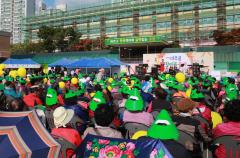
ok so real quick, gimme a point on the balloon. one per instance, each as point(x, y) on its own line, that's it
point(74, 80)
point(180, 77)
point(139, 134)
point(13, 73)
point(109, 88)
point(110, 80)
point(216, 118)
point(1, 72)
point(167, 76)
point(188, 92)
point(45, 80)
point(92, 95)
point(45, 69)
point(22, 72)
point(61, 85)
point(2, 66)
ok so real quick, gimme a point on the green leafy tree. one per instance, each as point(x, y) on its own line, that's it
point(46, 34)
point(73, 37)
point(59, 39)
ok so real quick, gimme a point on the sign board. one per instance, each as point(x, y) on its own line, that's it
point(134, 40)
point(178, 59)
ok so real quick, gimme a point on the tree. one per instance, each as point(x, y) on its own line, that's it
point(73, 37)
point(26, 48)
point(227, 38)
point(46, 34)
point(59, 39)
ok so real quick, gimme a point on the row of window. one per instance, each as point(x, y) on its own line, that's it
point(167, 24)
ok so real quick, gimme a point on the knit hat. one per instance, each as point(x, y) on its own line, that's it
point(185, 104)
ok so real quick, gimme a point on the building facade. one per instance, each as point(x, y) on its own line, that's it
point(4, 45)
point(12, 12)
point(190, 22)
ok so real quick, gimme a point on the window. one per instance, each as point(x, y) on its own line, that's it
point(237, 18)
point(185, 7)
point(163, 10)
point(230, 19)
point(207, 5)
point(145, 12)
point(111, 29)
point(166, 24)
point(145, 26)
point(126, 28)
point(94, 31)
point(207, 21)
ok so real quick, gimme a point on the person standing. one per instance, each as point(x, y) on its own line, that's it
point(100, 74)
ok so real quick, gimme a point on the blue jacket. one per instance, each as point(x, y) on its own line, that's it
point(11, 92)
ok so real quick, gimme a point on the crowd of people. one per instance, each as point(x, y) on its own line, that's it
point(167, 104)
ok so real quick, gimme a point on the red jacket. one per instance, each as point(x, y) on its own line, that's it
point(69, 134)
point(229, 128)
point(32, 99)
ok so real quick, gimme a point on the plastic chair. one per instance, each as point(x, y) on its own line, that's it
point(155, 114)
point(133, 127)
point(231, 144)
point(49, 118)
point(65, 146)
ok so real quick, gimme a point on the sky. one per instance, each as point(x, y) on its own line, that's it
point(75, 4)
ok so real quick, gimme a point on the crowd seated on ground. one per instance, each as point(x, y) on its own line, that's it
point(171, 108)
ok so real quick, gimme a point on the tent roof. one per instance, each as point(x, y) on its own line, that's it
point(20, 61)
point(95, 63)
point(62, 62)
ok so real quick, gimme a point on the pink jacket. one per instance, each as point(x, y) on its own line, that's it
point(229, 128)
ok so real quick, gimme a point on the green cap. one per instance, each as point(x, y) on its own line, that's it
point(179, 86)
point(22, 81)
point(70, 94)
point(124, 90)
point(135, 101)
point(80, 75)
point(51, 97)
point(196, 95)
point(170, 82)
point(66, 78)
point(162, 77)
point(224, 81)
point(9, 78)
point(163, 128)
point(231, 92)
point(97, 100)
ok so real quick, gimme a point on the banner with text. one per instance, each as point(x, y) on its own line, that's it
point(180, 60)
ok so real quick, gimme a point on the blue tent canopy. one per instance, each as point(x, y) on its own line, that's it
point(16, 63)
point(80, 63)
point(96, 63)
point(64, 62)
